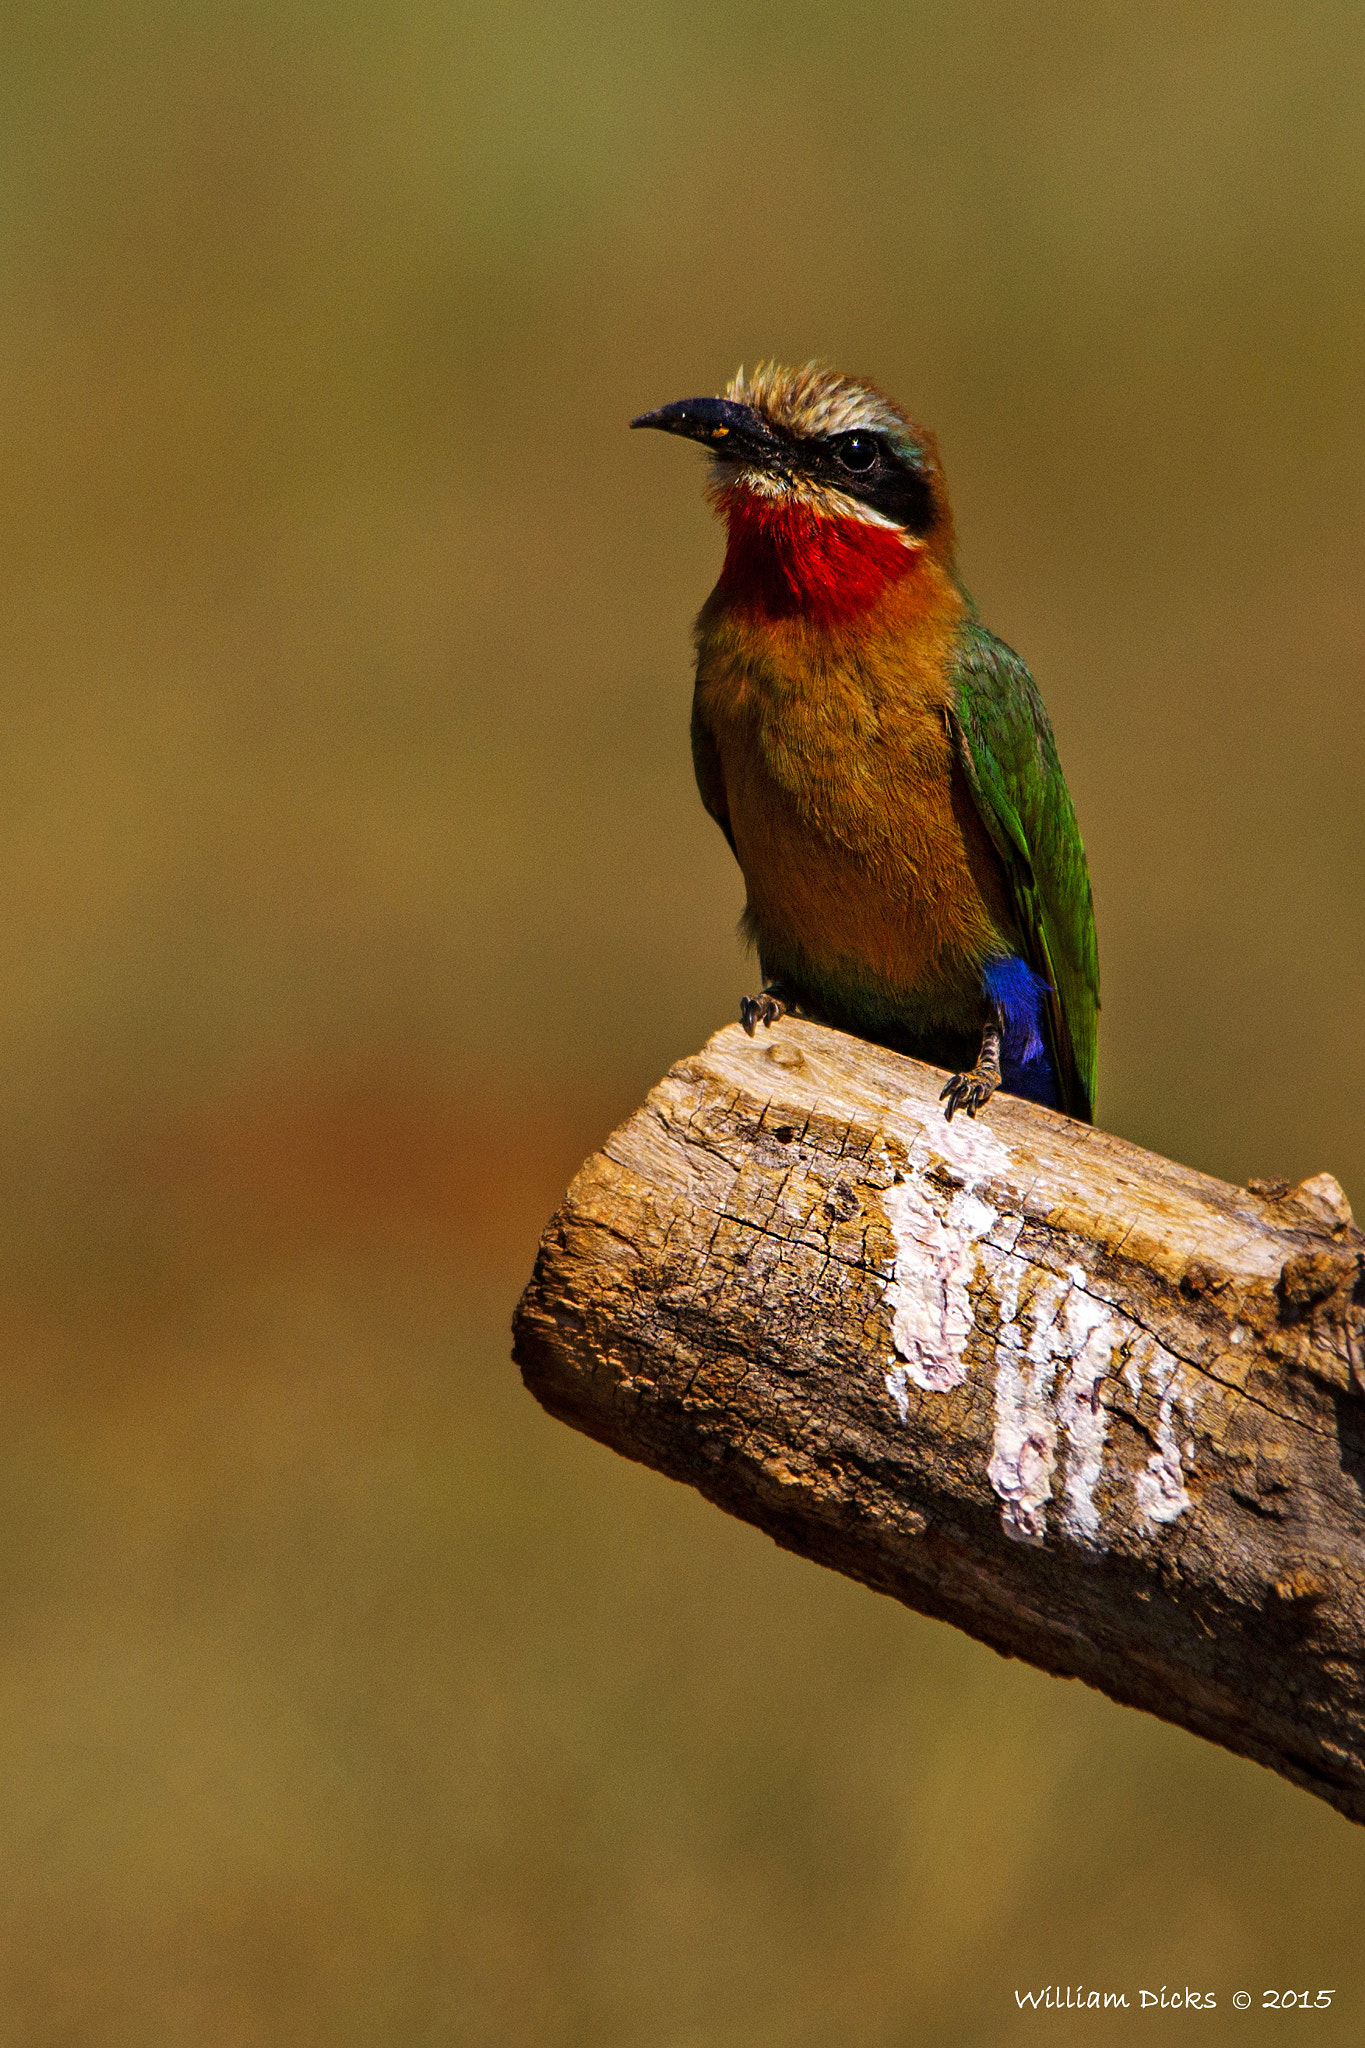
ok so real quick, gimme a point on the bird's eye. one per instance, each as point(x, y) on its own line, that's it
point(857, 452)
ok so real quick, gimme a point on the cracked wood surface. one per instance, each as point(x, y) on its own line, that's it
point(1102, 1412)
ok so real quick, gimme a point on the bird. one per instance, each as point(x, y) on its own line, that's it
point(881, 764)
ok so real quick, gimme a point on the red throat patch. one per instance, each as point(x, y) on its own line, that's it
point(787, 559)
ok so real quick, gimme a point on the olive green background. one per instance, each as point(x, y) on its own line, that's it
point(354, 885)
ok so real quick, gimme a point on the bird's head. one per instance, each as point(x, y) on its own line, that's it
point(820, 478)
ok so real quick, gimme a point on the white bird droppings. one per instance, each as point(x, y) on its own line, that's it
point(1055, 1343)
point(897, 1380)
point(1160, 1487)
point(1092, 1330)
point(1024, 1448)
point(931, 1313)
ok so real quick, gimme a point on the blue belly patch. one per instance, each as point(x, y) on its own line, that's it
point(1018, 993)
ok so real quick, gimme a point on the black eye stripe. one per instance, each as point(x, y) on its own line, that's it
point(863, 465)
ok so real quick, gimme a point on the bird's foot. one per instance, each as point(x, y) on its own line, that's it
point(970, 1091)
point(764, 1008)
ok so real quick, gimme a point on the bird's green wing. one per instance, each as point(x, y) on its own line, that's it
point(1005, 744)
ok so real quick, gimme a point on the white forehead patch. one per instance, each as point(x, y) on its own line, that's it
point(813, 400)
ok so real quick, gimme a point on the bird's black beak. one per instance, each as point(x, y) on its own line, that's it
point(734, 432)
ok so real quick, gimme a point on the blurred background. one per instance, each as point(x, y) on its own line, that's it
point(354, 885)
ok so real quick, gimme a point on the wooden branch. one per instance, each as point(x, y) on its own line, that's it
point(1098, 1410)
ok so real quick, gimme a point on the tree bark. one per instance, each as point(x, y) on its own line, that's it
point(1100, 1411)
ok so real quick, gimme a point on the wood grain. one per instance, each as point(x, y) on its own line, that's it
point(1100, 1411)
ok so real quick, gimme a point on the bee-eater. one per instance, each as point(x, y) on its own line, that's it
point(880, 763)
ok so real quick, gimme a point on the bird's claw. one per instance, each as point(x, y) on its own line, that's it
point(764, 1008)
point(968, 1091)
